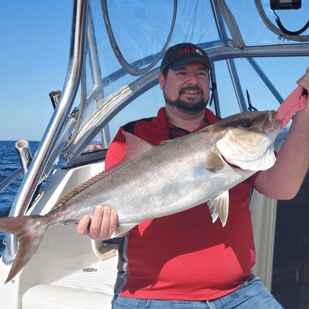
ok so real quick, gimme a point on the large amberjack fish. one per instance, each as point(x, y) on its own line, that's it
point(156, 181)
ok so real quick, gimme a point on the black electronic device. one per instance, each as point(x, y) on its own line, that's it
point(285, 4)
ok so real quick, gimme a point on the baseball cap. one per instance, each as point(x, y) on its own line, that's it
point(181, 54)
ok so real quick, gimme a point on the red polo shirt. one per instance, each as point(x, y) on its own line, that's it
point(183, 256)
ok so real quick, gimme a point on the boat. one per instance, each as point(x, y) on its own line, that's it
point(114, 58)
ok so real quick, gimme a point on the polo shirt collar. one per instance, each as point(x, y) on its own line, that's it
point(161, 122)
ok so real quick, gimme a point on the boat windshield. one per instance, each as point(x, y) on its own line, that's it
point(250, 61)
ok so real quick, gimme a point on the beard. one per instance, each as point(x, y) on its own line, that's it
point(189, 107)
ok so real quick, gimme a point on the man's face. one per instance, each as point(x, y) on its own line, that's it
point(186, 89)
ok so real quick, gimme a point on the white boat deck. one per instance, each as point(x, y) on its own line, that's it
point(91, 287)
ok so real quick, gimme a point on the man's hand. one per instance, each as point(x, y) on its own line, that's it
point(304, 82)
point(95, 147)
point(101, 226)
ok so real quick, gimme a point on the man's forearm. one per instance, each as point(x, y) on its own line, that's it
point(284, 179)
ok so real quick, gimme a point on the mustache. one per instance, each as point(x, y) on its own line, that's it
point(191, 88)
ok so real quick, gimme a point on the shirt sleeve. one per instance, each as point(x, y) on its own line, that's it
point(252, 179)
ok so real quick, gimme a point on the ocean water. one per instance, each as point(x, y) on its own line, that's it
point(9, 163)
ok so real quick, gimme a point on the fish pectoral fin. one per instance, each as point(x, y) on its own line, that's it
point(213, 162)
point(219, 207)
point(122, 229)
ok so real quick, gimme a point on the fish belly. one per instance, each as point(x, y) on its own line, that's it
point(169, 191)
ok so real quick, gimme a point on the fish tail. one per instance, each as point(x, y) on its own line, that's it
point(30, 231)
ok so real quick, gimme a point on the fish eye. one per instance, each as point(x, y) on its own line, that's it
point(245, 123)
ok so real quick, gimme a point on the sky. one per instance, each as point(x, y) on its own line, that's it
point(35, 41)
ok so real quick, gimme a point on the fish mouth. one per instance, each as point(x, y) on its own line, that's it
point(273, 124)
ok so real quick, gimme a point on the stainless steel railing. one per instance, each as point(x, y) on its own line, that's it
point(40, 160)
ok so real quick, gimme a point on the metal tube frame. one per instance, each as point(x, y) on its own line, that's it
point(97, 90)
point(6, 182)
point(96, 73)
point(223, 36)
point(24, 154)
point(37, 167)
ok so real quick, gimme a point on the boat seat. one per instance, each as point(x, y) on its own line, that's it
point(90, 288)
point(56, 297)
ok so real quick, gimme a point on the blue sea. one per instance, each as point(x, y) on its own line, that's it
point(9, 163)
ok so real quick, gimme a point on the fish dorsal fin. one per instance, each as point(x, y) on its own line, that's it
point(134, 148)
point(219, 207)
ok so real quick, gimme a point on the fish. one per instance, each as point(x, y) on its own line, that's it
point(156, 181)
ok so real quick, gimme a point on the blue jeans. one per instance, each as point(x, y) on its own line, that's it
point(252, 294)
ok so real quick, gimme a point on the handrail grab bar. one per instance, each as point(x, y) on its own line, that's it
point(37, 167)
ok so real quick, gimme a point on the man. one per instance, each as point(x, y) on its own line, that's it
point(184, 260)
